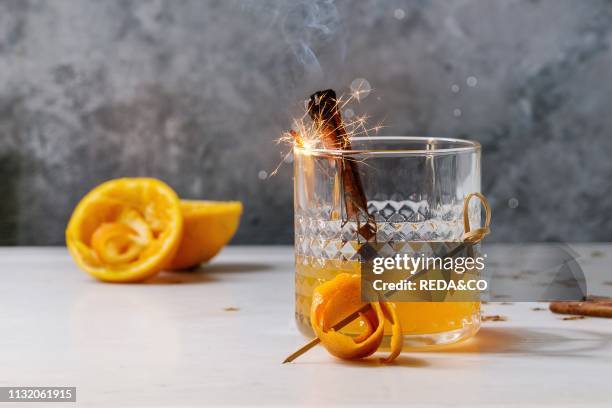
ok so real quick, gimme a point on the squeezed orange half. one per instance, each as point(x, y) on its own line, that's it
point(126, 230)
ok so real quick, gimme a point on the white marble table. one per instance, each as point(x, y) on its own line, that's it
point(174, 343)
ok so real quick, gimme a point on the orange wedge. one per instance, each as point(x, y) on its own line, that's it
point(125, 230)
point(208, 227)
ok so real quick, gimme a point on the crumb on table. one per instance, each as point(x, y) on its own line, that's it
point(494, 318)
point(573, 318)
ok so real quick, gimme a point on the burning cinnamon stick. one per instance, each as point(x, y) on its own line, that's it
point(323, 110)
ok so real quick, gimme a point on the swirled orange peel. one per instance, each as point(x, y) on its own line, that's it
point(335, 300)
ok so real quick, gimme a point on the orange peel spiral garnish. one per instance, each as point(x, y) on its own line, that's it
point(335, 300)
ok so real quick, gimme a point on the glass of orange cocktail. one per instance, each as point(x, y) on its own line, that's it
point(415, 187)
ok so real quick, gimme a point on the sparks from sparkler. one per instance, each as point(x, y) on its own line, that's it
point(306, 135)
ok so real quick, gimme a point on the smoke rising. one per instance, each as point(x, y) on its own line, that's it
point(312, 30)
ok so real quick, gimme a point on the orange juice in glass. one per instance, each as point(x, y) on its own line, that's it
point(415, 188)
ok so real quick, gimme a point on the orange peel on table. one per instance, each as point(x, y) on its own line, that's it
point(126, 230)
point(333, 301)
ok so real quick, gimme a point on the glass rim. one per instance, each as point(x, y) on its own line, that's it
point(456, 146)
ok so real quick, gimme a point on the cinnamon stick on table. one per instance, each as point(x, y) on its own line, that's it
point(323, 110)
point(597, 306)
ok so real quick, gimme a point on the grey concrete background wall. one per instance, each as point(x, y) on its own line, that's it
point(195, 92)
